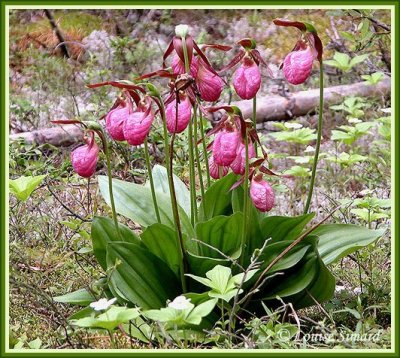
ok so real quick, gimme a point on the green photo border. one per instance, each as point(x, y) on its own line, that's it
point(4, 131)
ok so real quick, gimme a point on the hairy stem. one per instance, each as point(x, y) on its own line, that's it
point(174, 204)
point(205, 154)
point(110, 184)
point(153, 192)
point(197, 154)
point(255, 120)
point(245, 198)
point(192, 172)
point(319, 136)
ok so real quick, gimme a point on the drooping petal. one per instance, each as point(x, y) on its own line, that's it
point(178, 66)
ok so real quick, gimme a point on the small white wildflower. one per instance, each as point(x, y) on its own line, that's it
point(309, 149)
point(386, 110)
point(180, 303)
point(340, 288)
point(181, 30)
point(293, 125)
point(357, 290)
point(354, 120)
point(102, 304)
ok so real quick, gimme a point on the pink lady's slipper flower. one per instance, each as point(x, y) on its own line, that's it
point(247, 79)
point(239, 164)
point(261, 194)
point(297, 65)
point(115, 120)
point(178, 124)
point(216, 171)
point(84, 159)
point(137, 126)
point(225, 146)
point(210, 85)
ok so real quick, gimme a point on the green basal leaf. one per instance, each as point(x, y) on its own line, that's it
point(217, 199)
point(135, 202)
point(162, 241)
point(143, 278)
point(81, 297)
point(338, 240)
point(103, 232)
point(222, 233)
point(160, 177)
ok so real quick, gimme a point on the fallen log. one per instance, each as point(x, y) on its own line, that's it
point(269, 108)
point(279, 108)
point(60, 136)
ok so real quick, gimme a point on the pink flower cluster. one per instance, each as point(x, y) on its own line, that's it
point(132, 116)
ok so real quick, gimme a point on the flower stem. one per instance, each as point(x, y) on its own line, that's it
point(175, 212)
point(153, 192)
point(205, 154)
point(192, 173)
point(319, 136)
point(255, 120)
point(110, 184)
point(197, 154)
point(193, 217)
point(245, 198)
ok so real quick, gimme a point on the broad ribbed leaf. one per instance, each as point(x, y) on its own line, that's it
point(142, 277)
point(162, 242)
point(290, 259)
point(135, 202)
point(103, 232)
point(223, 233)
point(293, 281)
point(279, 228)
point(217, 199)
point(160, 177)
point(339, 240)
point(321, 288)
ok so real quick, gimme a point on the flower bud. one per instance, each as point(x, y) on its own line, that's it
point(137, 127)
point(225, 146)
point(297, 66)
point(261, 194)
point(247, 79)
point(238, 166)
point(115, 120)
point(178, 66)
point(210, 85)
point(84, 159)
point(181, 30)
point(174, 124)
point(216, 169)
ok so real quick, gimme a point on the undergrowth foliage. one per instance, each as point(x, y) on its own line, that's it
point(208, 258)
